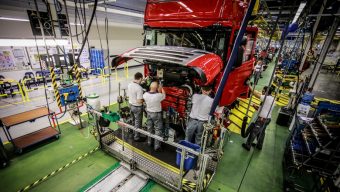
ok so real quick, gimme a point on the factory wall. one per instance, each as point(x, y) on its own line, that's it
point(120, 39)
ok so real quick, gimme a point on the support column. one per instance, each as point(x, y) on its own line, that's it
point(324, 51)
point(312, 35)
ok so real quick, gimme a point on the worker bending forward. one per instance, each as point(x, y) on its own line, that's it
point(201, 105)
point(153, 101)
point(263, 119)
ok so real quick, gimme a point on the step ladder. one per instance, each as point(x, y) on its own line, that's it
point(121, 179)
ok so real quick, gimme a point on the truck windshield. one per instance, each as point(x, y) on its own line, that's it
point(211, 40)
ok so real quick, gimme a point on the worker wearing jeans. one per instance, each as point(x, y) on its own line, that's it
point(154, 123)
point(263, 120)
point(201, 105)
point(135, 94)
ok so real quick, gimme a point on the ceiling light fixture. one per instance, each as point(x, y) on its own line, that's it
point(32, 42)
point(299, 11)
point(13, 19)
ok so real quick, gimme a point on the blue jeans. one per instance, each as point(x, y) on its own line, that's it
point(137, 116)
point(155, 125)
point(194, 129)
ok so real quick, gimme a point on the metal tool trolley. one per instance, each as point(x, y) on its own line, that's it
point(32, 138)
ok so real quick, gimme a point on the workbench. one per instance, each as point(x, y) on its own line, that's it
point(32, 138)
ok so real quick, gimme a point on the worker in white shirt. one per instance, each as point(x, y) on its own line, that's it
point(263, 119)
point(135, 94)
point(201, 105)
point(153, 100)
point(257, 71)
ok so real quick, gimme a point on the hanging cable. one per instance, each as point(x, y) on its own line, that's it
point(108, 49)
point(266, 94)
point(100, 39)
point(48, 56)
point(88, 29)
point(232, 57)
point(83, 13)
point(244, 132)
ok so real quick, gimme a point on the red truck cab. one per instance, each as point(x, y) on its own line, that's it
point(187, 43)
point(208, 25)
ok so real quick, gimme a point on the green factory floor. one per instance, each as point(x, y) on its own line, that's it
point(264, 172)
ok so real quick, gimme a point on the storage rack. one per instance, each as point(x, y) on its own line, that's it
point(96, 60)
point(313, 148)
point(32, 138)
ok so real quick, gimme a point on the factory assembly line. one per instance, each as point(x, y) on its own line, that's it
point(188, 47)
point(219, 92)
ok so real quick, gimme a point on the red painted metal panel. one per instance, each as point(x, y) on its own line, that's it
point(235, 85)
point(176, 98)
point(196, 13)
point(211, 64)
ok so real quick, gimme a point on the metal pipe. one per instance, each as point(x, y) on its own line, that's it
point(181, 169)
point(324, 15)
point(324, 51)
point(311, 37)
point(232, 58)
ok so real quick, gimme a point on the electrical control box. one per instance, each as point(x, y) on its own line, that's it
point(68, 93)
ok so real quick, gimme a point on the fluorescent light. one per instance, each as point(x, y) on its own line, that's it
point(76, 24)
point(13, 19)
point(298, 12)
point(32, 42)
point(26, 20)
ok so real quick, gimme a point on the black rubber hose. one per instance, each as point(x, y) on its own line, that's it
point(88, 30)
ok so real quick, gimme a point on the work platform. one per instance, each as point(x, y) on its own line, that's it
point(160, 166)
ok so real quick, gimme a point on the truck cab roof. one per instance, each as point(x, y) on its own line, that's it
point(193, 13)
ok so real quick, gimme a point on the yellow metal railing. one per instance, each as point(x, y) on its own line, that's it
point(21, 92)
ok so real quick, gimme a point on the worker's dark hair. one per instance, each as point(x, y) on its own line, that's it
point(244, 41)
point(138, 76)
point(206, 88)
point(269, 91)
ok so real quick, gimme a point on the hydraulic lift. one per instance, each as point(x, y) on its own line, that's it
point(161, 166)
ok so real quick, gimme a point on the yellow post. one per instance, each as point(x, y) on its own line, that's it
point(21, 92)
point(116, 74)
point(55, 87)
point(126, 69)
point(25, 89)
point(101, 75)
point(78, 77)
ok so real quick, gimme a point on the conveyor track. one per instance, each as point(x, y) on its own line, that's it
point(120, 179)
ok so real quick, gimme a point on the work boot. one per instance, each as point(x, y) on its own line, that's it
point(257, 146)
point(245, 146)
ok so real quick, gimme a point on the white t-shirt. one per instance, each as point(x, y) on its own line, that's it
point(267, 106)
point(134, 92)
point(153, 101)
point(258, 68)
point(201, 105)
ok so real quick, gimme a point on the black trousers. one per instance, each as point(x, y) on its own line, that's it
point(258, 132)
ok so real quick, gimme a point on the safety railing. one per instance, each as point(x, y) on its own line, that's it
point(203, 158)
point(12, 92)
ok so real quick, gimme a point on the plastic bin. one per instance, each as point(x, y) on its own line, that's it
point(190, 159)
